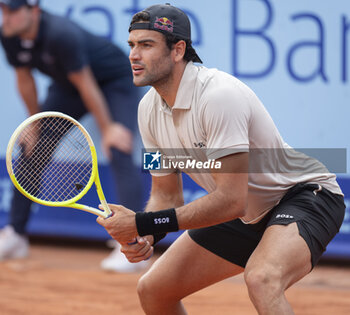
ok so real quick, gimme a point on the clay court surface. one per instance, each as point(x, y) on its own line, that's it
point(65, 279)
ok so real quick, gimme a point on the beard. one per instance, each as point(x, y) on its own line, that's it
point(156, 73)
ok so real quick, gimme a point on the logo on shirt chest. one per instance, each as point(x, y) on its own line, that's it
point(200, 144)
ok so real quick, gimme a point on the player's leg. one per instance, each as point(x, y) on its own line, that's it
point(281, 258)
point(184, 268)
point(298, 232)
point(198, 259)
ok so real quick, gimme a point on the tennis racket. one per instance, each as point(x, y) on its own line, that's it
point(51, 159)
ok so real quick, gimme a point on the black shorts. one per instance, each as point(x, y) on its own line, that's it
point(318, 214)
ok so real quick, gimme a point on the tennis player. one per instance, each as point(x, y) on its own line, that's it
point(273, 226)
point(89, 74)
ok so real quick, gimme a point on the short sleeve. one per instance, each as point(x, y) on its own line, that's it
point(225, 119)
point(70, 49)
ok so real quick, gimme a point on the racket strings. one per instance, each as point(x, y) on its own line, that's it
point(33, 162)
point(59, 163)
point(29, 136)
point(75, 139)
point(49, 149)
point(84, 168)
point(65, 185)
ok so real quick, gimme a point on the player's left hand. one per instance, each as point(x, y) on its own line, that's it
point(138, 251)
point(121, 225)
point(117, 136)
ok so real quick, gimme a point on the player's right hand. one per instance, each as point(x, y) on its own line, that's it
point(136, 252)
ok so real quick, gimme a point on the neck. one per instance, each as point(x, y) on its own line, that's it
point(168, 90)
point(32, 31)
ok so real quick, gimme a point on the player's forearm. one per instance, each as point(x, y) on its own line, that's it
point(166, 192)
point(214, 208)
point(227, 202)
point(158, 202)
point(27, 89)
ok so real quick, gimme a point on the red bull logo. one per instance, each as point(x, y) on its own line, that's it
point(164, 24)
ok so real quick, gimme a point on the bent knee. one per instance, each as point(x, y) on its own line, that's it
point(157, 283)
point(145, 287)
point(155, 294)
point(264, 279)
point(150, 286)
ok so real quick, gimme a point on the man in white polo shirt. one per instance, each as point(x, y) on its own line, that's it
point(270, 211)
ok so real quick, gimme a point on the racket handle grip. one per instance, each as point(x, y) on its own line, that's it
point(110, 215)
point(133, 242)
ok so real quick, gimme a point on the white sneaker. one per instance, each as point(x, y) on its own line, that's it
point(12, 244)
point(117, 262)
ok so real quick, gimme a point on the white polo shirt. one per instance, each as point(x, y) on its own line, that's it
point(217, 114)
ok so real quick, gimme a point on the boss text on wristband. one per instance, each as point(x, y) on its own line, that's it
point(151, 223)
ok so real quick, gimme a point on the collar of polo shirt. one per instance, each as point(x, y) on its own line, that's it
point(185, 92)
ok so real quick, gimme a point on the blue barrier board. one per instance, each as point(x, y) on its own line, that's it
point(66, 222)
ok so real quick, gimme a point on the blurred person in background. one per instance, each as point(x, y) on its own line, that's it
point(89, 74)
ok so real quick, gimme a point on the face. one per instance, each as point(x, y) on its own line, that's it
point(150, 58)
point(16, 22)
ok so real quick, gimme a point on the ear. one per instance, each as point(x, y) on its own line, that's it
point(179, 50)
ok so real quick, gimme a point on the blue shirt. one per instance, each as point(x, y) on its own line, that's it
point(62, 47)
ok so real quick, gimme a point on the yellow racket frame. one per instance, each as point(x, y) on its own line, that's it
point(94, 178)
